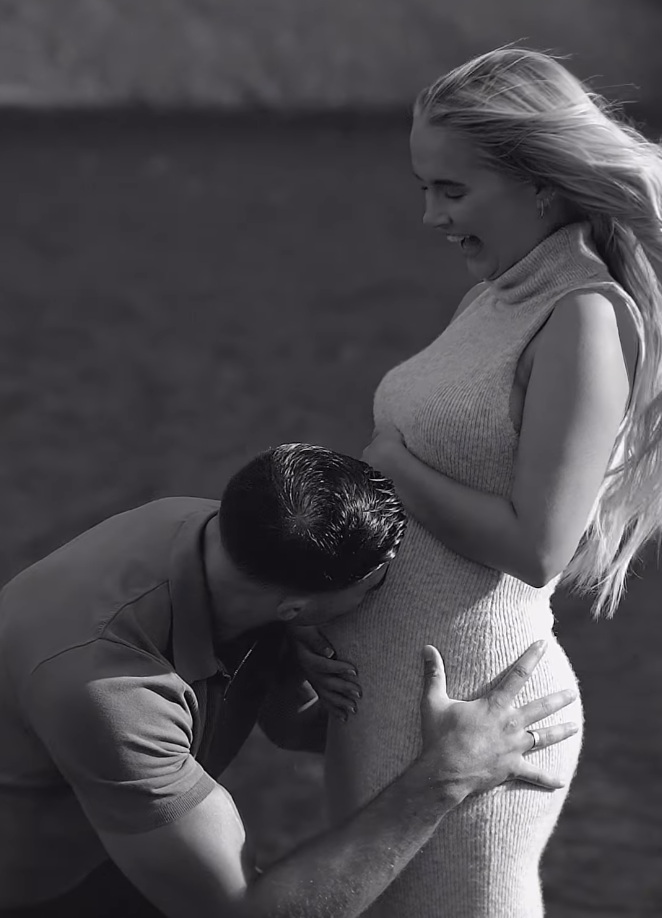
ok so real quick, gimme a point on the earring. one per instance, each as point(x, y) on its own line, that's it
point(543, 204)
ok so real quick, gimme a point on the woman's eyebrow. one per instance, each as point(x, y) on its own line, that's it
point(437, 181)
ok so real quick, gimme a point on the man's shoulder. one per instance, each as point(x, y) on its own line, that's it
point(162, 516)
point(154, 526)
point(119, 725)
point(129, 536)
point(167, 509)
point(105, 668)
point(68, 598)
point(179, 505)
point(108, 686)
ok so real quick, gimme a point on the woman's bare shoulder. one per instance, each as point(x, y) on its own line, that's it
point(593, 301)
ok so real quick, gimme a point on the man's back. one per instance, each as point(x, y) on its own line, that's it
point(92, 577)
point(70, 610)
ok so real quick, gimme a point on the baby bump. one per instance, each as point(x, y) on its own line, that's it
point(384, 640)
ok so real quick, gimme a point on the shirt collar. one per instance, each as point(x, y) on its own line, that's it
point(195, 656)
point(192, 609)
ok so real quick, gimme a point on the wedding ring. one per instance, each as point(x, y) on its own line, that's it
point(535, 736)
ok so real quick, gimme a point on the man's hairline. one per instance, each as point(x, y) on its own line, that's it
point(272, 586)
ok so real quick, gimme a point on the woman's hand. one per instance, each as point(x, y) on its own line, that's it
point(336, 683)
point(385, 439)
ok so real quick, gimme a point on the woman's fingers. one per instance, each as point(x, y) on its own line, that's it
point(338, 704)
point(541, 708)
point(312, 638)
point(321, 664)
point(339, 686)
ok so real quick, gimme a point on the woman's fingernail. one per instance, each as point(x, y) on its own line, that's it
point(329, 652)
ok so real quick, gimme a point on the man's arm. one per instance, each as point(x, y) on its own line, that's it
point(198, 864)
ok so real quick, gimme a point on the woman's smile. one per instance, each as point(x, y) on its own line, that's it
point(462, 192)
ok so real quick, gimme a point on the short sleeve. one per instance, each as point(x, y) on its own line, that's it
point(118, 725)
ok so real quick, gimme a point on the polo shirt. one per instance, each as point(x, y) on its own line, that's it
point(115, 708)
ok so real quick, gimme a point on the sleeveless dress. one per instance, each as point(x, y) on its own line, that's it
point(451, 402)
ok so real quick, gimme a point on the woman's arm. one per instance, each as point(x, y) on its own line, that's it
point(291, 714)
point(293, 718)
point(482, 527)
point(576, 399)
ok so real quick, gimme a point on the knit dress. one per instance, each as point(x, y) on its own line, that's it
point(451, 403)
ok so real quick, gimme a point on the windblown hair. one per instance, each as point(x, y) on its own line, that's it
point(529, 117)
point(310, 520)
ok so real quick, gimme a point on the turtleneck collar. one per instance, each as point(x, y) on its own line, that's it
point(563, 257)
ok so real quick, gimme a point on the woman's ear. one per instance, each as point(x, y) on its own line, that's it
point(544, 192)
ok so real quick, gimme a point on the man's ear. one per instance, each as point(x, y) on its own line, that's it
point(290, 608)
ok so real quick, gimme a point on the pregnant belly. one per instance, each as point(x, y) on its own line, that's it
point(480, 626)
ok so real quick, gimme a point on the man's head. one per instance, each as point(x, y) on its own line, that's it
point(307, 532)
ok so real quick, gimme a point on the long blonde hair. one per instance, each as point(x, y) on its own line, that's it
point(529, 117)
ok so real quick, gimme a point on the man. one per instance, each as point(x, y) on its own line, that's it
point(135, 660)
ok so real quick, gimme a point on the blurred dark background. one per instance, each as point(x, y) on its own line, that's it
point(211, 243)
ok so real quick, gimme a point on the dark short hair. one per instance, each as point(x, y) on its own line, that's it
point(309, 519)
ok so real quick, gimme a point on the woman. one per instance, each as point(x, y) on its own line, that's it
point(524, 443)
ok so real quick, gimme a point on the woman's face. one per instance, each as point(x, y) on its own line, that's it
point(495, 216)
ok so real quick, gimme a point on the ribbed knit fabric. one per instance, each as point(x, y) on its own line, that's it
point(451, 402)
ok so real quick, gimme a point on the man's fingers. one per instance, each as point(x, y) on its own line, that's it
point(519, 673)
point(541, 708)
point(434, 673)
point(549, 736)
point(532, 775)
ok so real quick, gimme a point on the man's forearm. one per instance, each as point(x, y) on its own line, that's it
point(340, 873)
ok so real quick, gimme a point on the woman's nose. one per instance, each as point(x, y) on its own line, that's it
point(433, 217)
point(433, 214)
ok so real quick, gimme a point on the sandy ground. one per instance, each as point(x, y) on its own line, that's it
point(179, 293)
